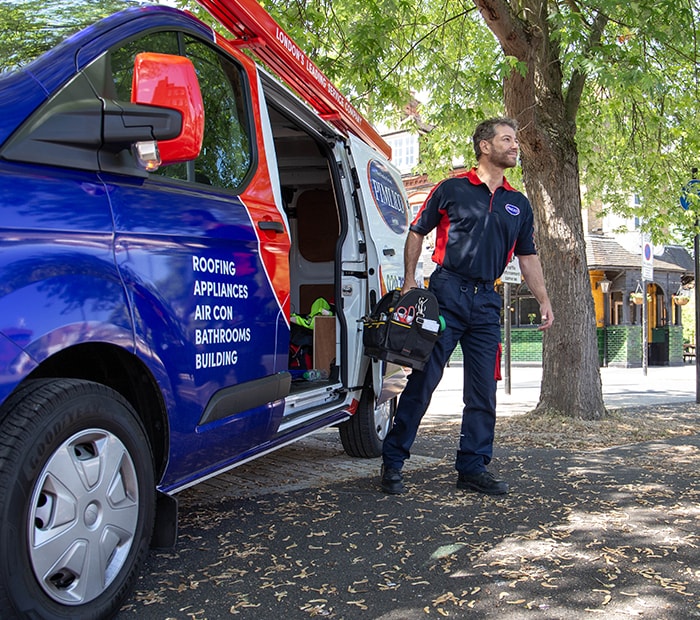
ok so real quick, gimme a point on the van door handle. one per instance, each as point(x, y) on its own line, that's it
point(273, 226)
point(389, 251)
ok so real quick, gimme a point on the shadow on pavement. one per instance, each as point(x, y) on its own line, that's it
point(607, 533)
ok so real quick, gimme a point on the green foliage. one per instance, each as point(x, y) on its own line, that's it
point(636, 119)
point(688, 318)
point(381, 53)
point(30, 27)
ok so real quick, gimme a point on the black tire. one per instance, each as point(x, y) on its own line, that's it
point(77, 500)
point(363, 434)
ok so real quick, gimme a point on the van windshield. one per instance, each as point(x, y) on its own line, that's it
point(31, 27)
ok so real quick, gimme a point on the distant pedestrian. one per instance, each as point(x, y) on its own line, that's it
point(480, 222)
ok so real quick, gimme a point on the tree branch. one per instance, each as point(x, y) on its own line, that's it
point(417, 43)
point(578, 77)
point(514, 37)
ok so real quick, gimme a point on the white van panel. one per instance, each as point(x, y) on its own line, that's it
point(387, 216)
point(386, 211)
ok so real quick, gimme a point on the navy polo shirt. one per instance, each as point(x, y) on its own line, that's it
point(477, 232)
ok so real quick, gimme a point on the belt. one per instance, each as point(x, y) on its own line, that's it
point(486, 284)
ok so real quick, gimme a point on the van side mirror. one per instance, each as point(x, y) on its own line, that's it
point(169, 81)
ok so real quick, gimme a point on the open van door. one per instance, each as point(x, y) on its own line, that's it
point(386, 214)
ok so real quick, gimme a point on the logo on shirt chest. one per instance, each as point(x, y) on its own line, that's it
point(512, 209)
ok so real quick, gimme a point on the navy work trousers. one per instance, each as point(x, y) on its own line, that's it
point(472, 316)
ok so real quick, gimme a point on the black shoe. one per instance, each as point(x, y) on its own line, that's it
point(483, 482)
point(392, 481)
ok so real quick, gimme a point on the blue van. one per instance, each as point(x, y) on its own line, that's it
point(182, 238)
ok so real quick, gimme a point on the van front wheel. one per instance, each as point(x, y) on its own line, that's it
point(77, 500)
point(363, 434)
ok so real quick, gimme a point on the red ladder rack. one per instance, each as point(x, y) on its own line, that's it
point(255, 29)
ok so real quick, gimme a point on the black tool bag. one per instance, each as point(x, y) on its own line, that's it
point(403, 328)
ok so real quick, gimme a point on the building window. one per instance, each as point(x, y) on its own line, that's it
point(525, 310)
point(404, 151)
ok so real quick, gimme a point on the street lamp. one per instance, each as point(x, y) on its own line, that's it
point(604, 286)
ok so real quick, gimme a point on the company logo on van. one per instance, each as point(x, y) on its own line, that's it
point(388, 197)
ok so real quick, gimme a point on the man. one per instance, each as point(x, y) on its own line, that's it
point(480, 222)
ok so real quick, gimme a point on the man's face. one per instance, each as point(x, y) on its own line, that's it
point(503, 149)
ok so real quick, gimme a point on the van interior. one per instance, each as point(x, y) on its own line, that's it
point(315, 225)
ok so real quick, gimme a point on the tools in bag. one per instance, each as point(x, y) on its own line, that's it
point(403, 328)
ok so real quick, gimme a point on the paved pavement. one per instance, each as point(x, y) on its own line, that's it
point(622, 387)
point(319, 459)
point(304, 532)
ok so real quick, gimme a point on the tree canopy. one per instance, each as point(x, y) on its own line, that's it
point(630, 74)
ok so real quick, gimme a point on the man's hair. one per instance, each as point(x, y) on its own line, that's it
point(486, 130)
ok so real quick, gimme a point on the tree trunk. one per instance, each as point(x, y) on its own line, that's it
point(570, 365)
point(571, 382)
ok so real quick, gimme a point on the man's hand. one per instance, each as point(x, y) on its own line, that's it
point(532, 272)
point(408, 284)
point(547, 316)
point(411, 253)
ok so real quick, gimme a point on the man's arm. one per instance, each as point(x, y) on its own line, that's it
point(411, 253)
point(531, 269)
